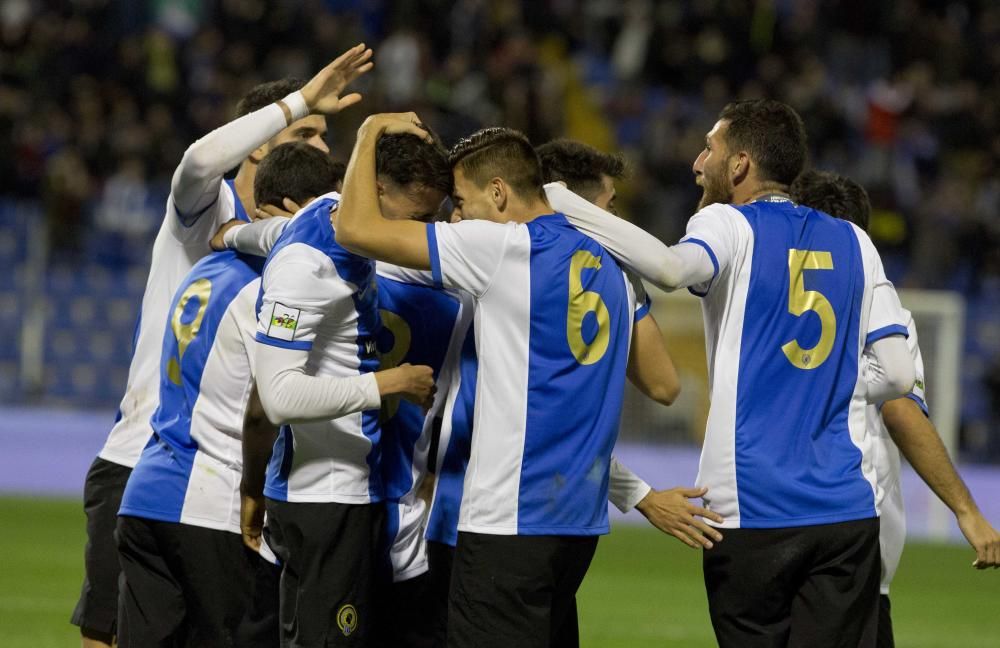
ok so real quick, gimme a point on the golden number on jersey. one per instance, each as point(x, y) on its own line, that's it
point(582, 302)
point(185, 333)
point(801, 301)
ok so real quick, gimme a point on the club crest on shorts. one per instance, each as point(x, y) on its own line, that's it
point(284, 321)
point(347, 619)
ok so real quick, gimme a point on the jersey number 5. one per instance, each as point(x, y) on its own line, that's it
point(185, 333)
point(582, 302)
point(801, 301)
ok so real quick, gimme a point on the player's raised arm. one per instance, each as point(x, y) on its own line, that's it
point(360, 226)
point(666, 267)
point(195, 184)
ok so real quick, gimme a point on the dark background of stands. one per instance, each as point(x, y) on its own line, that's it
point(99, 99)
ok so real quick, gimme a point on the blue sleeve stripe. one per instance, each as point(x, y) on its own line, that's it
point(643, 310)
point(711, 254)
point(886, 331)
point(715, 266)
point(432, 250)
point(282, 344)
point(919, 401)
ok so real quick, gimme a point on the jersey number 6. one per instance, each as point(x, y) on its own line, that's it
point(582, 302)
point(801, 301)
point(185, 333)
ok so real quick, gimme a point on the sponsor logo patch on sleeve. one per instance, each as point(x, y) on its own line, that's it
point(284, 321)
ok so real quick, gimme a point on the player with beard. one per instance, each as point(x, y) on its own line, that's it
point(900, 425)
point(791, 299)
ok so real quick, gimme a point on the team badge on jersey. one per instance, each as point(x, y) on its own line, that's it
point(284, 321)
point(347, 619)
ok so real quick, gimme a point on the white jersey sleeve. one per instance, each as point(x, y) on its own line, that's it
point(301, 287)
point(887, 314)
point(668, 268)
point(625, 488)
point(716, 230)
point(256, 238)
point(467, 255)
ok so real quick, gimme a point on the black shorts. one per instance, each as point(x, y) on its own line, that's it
point(407, 614)
point(182, 584)
point(440, 557)
point(885, 637)
point(331, 570)
point(97, 609)
point(812, 586)
point(515, 590)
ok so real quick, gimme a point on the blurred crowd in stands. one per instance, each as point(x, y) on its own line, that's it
point(99, 99)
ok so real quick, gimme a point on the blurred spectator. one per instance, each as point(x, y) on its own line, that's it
point(99, 98)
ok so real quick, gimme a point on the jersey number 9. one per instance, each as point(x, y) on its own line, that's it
point(401, 338)
point(185, 333)
point(801, 301)
point(582, 302)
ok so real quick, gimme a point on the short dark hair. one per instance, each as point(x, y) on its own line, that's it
point(267, 93)
point(580, 166)
point(406, 159)
point(499, 152)
point(834, 194)
point(297, 171)
point(772, 133)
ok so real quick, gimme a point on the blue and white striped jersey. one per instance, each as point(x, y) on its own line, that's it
point(179, 245)
point(796, 297)
point(454, 445)
point(318, 297)
point(422, 326)
point(552, 328)
point(190, 470)
point(892, 525)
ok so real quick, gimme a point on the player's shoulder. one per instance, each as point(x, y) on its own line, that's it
point(719, 215)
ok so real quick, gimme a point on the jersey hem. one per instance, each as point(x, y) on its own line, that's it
point(324, 498)
point(536, 530)
point(812, 520)
point(410, 573)
point(160, 516)
point(119, 459)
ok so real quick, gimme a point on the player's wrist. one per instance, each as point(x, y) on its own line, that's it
point(229, 236)
point(294, 106)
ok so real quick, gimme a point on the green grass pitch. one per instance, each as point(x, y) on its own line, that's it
point(644, 589)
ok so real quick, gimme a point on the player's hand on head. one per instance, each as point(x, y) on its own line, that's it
point(286, 210)
point(672, 512)
point(983, 538)
point(322, 92)
point(217, 243)
point(394, 124)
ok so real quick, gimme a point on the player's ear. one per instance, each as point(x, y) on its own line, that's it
point(739, 167)
point(498, 191)
point(259, 153)
point(380, 187)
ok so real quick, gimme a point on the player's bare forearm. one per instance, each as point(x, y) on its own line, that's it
point(258, 440)
point(919, 442)
point(650, 367)
point(360, 226)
